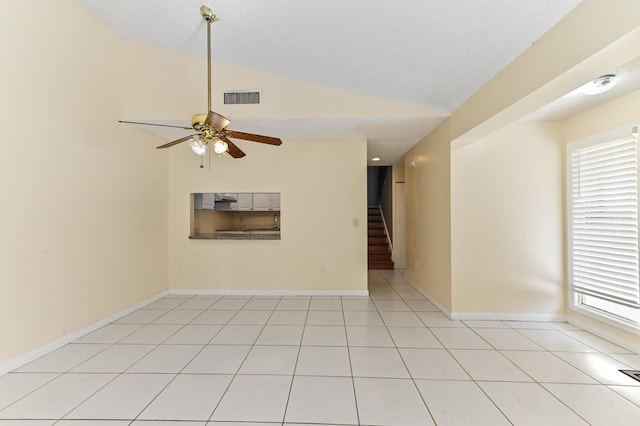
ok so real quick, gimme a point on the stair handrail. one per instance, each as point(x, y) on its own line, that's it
point(386, 230)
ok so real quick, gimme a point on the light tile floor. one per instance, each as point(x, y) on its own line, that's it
point(388, 359)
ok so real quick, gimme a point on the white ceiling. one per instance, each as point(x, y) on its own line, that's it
point(431, 53)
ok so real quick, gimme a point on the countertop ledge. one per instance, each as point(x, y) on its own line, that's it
point(222, 235)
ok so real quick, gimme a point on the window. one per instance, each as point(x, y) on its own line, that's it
point(603, 229)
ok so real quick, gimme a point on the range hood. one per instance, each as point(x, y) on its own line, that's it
point(224, 198)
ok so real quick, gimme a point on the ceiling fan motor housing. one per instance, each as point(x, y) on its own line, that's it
point(197, 121)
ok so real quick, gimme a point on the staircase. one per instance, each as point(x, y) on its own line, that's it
point(379, 252)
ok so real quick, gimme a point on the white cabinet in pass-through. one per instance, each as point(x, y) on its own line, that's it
point(245, 201)
point(208, 201)
point(261, 201)
point(274, 201)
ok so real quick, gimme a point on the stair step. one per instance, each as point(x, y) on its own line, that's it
point(377, 240)
point(381, 248)
point(379, 257)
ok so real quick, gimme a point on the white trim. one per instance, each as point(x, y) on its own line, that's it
point(600, 332)
point(24, 359)
point(488, 316)
point(494, 316)
point(605, 318)
point(196, 292)
point(618, 134)
point(386, 230)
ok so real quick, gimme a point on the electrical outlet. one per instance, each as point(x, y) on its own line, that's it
point(323, 269)
point(185, 270)
point(356, 222)
point(415, 264)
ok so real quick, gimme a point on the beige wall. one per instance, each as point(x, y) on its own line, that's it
point(95, 220)
point(323, 188)
point(428, 215)
point(164, 84)
point(566, 57)
point(83, 225)
point(397, 175)
point(506, 226)
point(596, 37)
point(397, 171)
point(609, 121)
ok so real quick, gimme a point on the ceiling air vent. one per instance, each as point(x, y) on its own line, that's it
point(242, 98)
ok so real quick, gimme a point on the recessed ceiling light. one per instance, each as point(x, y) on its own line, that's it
point(375, 159)
point(599, 85)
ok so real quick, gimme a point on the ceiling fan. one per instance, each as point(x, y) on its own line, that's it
point(212, 127)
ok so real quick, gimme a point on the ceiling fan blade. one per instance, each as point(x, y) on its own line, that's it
point(234, 151)
point(154, 124)
point(216, 121)
point(176, 142)
point(255, 138)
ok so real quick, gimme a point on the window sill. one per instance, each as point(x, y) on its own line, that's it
point(606, 319)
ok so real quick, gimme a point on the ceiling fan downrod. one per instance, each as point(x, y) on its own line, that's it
point(210, 17)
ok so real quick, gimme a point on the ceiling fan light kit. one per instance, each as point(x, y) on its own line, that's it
point(212, 127)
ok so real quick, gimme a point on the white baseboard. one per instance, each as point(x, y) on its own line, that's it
point(488, 316)
point(274, 293)
point(491, 316)
point(24, 359)
point(606, 335)
point(494, 316)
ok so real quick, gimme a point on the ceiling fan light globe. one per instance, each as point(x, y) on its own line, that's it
point(220, 147)
point(198, 145)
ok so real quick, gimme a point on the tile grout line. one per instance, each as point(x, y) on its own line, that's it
point(353, 380)
point(117, 375)
point(236, 374)
point(415, 385)
point(393, 289)
point(540, 384)
point(185, 365)
point(293, 374)
point(463, 369)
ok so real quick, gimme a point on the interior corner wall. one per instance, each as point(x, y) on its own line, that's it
point(83, 202)
point(428, 215)
point(605, 122)
point(507, 209)
point(321, 195)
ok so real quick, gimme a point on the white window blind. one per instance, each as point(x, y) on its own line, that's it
point(604, 222)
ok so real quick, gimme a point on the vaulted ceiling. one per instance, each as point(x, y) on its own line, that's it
point(429, 53)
